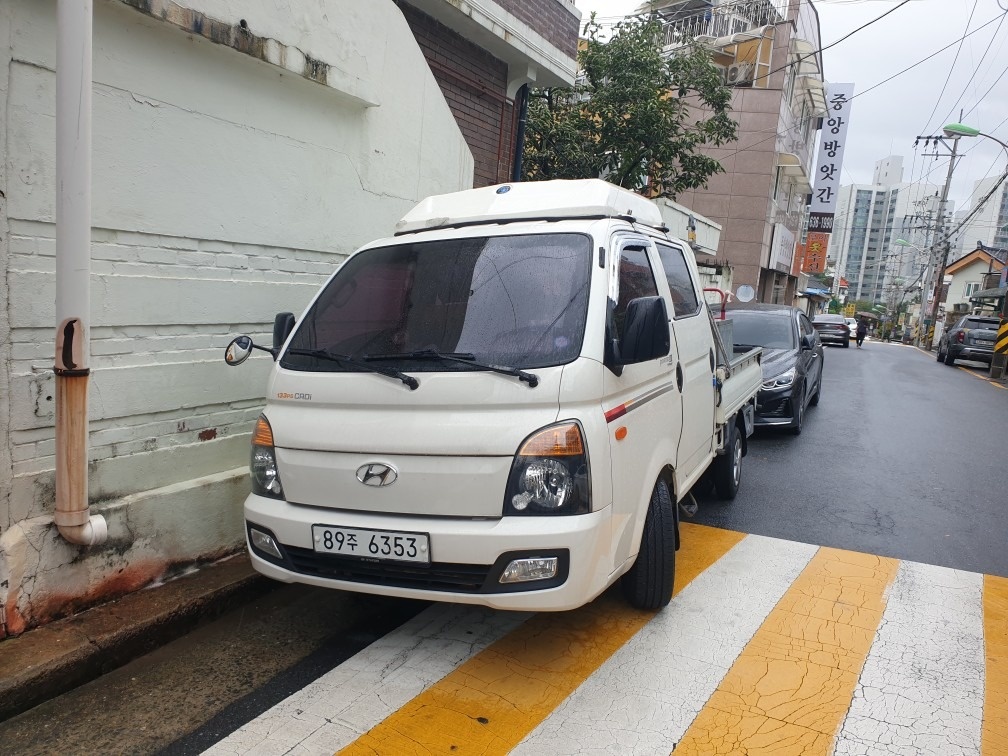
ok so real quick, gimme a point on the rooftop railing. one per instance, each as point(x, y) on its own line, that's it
point(724, 20)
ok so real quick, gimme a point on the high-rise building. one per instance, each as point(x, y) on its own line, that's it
point(870, 218)
point(989, 226)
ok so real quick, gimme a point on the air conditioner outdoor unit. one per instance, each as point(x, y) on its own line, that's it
point(739, 73)
point(961, 307)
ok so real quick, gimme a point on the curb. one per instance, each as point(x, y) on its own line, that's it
point(47, 661)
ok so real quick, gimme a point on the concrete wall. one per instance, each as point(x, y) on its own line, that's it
point(241, 150)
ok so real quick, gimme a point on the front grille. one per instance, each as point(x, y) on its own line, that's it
point(437, 576)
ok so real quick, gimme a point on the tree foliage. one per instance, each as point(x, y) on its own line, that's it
point(638, 119)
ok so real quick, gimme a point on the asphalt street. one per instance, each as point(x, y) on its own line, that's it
point(903, 457)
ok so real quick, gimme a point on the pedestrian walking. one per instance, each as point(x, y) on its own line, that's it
point(862, 331)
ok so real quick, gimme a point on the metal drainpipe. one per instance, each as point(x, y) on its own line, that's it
point(73, 273)
point(519, 148)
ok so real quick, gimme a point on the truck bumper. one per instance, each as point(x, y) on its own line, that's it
point(468, 556)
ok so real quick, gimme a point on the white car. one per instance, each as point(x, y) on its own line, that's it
point(852, 322)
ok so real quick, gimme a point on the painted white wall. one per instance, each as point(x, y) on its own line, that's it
point(226, 188)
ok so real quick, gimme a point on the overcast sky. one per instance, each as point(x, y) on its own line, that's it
point(887, 119)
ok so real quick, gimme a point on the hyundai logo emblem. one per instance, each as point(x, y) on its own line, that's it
point(377, 474)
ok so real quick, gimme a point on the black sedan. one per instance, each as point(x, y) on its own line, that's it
point(833, 329)
point(792, 360)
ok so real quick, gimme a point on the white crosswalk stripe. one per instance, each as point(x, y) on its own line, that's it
point(338, 707)
point(645, 696)
point(922, 687)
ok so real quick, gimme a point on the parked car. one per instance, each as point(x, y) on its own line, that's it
point(792, 360)
point(971, 338)
point(852, 325)
point(833, 329)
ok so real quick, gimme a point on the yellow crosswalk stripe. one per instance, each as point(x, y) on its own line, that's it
point(994, 732)
point(491, 702)
point(790, 688)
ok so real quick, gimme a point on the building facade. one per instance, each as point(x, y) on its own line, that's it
point(769, 52)
point(989, 226)
point(239, 153)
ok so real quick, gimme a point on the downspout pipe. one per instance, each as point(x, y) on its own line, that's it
point(73, 273)
point(519, 148)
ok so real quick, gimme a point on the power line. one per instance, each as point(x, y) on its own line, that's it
point(927, 124)
point(987, 49)
point(927, 58)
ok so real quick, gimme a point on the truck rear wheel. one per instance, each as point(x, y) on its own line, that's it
point(648, 584)
point(727, 469)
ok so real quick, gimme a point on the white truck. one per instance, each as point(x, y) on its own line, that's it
point(502, 404)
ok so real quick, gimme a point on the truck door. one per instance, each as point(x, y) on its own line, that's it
point(695, 366)
point(642, 405)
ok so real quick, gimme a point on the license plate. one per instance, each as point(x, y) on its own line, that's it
point(386, 545)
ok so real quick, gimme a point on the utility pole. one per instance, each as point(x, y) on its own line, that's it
point(940, 248)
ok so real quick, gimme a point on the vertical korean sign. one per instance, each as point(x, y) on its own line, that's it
point(830, 157)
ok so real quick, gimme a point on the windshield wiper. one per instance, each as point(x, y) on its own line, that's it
point(465, 358)
point(322, 354)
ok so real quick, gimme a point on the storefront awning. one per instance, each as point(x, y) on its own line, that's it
point(816, 89)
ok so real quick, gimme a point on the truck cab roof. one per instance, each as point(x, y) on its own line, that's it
point(534, 200)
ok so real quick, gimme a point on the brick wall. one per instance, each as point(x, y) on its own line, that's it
point(159, 386)
point(474, 84)
point(550, 18)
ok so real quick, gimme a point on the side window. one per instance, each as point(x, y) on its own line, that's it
point(684, 298)
point(636, 279)
point(805, 325)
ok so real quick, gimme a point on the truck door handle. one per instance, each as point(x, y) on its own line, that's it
point(679, 376)
point(712, 360)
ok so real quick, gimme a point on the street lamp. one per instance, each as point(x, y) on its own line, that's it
point(962, 130)
point(997, 368)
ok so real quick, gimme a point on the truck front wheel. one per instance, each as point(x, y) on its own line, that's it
point(648, 584)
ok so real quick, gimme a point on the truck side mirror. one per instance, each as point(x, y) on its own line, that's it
point(646, 333)
point(283, 324)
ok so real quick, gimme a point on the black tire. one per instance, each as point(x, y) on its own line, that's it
point(727, 469)
point(814, 401)
point(799, 417)
point(648, 584)
point(949, 359)
point(941, 354)
point(846, 344)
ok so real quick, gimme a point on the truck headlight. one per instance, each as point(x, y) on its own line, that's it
point(549, 475)
point(263, 467)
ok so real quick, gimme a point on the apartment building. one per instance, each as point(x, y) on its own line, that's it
point(870, 218)
point(769, 52)
point(988, 227)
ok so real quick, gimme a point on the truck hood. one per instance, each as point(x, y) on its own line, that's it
point(465, 413)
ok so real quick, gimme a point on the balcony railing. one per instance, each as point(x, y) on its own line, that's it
point(724, 19)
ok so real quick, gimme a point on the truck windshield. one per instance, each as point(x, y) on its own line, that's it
point(515, 301)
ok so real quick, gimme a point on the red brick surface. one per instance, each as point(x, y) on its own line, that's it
point(474, 84)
